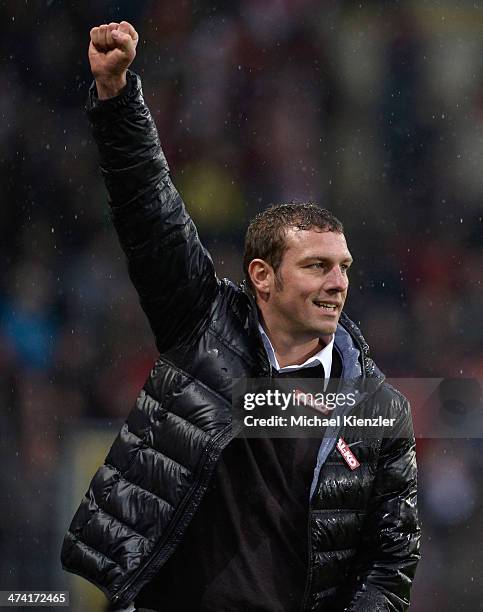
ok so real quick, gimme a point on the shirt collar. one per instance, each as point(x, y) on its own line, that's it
point(324, 356)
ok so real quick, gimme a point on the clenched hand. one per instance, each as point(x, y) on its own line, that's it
point(112, 49)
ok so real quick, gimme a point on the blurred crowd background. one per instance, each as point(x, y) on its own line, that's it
point(372, 109)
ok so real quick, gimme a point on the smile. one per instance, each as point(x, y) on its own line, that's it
point(326, 306)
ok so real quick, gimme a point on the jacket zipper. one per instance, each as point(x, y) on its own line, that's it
point(308, 584)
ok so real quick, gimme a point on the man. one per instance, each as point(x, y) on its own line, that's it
point(184, 514)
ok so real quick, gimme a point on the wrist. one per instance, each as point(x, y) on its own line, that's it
point(110, 87)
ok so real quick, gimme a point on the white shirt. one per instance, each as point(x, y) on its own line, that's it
point(323, 357)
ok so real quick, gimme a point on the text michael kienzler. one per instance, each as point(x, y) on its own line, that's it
point(317, 421)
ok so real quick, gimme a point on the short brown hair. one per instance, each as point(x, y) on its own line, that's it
point(266, 235)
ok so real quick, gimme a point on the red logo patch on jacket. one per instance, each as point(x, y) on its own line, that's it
point(347, 454)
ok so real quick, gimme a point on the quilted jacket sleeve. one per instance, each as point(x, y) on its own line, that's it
point(171, 270)
point(391, 534)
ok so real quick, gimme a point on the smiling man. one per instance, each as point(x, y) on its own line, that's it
point(185, 514)
point(296, 262)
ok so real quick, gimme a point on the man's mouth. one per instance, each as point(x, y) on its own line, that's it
point(325, 305)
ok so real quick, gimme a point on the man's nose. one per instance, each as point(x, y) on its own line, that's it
point(336, 280)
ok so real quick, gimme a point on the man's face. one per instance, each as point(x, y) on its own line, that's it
point(314, 283)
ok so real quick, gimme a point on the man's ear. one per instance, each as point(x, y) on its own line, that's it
point(262, 276)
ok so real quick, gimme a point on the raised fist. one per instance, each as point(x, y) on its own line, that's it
point(112, 49)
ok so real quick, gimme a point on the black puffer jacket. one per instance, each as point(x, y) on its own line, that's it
point(363, 530)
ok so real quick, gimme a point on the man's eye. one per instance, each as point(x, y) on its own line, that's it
point(316, 265)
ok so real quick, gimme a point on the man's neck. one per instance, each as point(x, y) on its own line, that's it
point(290, 350)
point(296, 354)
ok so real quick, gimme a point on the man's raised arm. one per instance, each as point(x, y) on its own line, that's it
point(169, 267)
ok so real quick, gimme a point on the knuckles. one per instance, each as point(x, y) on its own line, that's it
point(103, 42)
